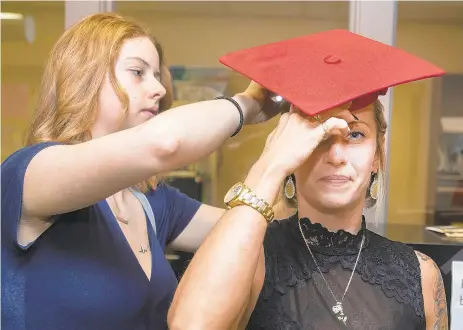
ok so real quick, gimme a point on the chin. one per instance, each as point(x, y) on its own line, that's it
point(333, 201)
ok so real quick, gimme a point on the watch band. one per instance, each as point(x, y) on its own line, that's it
point(246, 197)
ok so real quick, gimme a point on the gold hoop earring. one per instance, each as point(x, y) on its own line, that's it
point(374, 187)
point(290, 188)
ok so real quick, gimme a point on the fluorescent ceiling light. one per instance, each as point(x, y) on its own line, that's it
point(11, 16)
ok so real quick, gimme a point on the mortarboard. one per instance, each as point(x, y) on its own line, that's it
point(321, 71)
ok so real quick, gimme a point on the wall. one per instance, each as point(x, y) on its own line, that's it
point(412, 104)
point(22, 65)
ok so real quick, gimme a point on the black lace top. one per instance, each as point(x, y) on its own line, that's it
point(385, 292)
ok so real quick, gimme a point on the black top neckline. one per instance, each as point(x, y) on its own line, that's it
point(323, 241)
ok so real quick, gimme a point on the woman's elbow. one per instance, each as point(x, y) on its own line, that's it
point(159, 142)
point(164, 154)
point(167, 147)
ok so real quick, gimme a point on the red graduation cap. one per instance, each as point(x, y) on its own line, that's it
point(321, 71)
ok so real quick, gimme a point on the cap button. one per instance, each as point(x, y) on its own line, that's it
point(332, 59)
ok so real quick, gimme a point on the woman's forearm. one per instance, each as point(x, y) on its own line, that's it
point(100, 167)
point(216, 287)
point(196, 130)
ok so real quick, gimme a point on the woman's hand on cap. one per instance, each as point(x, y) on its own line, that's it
point(295, 138)
point(266, 108)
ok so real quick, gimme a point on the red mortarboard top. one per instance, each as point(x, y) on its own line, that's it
point(321, 71)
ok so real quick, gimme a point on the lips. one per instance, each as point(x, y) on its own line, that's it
point(336, 179)
point(153, 110)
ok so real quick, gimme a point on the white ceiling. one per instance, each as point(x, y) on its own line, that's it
point(445, 12)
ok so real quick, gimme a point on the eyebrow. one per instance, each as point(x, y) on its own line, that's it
point(356, 122)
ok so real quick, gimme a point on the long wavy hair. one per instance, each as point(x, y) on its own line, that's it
point(74, 75)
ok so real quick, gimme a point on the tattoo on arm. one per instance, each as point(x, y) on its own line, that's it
point(422, 256)
point(440, 302)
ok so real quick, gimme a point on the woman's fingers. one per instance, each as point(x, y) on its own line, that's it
point(277, 130)
point(282, 123)
point(295, 138)
point(334, 126)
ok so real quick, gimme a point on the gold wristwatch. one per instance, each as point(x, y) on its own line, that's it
point(240, 194)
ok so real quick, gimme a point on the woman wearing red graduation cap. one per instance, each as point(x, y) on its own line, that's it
point(320, 268)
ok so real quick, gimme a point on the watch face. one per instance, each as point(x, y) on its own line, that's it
point(233, 192)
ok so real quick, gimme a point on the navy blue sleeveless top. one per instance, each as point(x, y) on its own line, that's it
point(81, 272)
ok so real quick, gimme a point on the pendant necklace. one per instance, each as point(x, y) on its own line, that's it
point(117, 212)
point(337, 308)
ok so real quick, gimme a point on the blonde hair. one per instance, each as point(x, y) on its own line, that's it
point(74, 75)
point(283, 206)
point(381, 128)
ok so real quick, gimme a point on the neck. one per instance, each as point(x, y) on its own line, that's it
point(348, 219)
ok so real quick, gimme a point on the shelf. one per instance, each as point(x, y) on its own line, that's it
point(449, 176)
point(450, 190)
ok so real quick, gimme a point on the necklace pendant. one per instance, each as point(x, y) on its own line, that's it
point(339, 312)
point(121, 219)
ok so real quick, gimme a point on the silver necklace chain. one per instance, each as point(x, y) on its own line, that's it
point(338, 308)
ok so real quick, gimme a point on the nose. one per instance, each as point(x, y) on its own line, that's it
point(336, 153)
point(156, 89)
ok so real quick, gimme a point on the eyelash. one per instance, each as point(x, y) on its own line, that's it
point(355, 132)
point(137, 72)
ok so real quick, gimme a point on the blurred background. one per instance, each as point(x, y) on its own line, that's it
point(425, 183)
